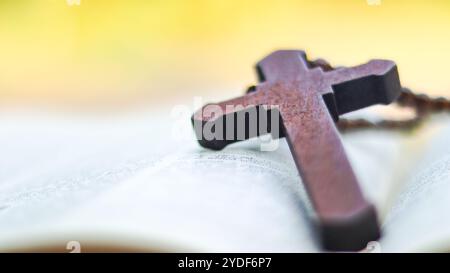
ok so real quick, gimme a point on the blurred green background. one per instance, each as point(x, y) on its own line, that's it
point(104, 53)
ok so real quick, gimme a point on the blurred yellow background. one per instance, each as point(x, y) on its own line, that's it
point(121, 52)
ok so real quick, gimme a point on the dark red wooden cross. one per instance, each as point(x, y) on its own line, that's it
point(309, 99)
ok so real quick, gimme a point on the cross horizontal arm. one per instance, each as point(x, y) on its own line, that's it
point(376, 82)
point(218, 125)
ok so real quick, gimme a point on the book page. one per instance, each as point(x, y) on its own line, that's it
point(125, 179)
point(419, 219)
point(54, 162)
point(235, 200)
point(58, 169)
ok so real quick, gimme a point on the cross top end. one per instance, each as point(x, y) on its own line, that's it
point(300, 64)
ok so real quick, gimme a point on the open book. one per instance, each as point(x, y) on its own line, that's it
point(135, 182)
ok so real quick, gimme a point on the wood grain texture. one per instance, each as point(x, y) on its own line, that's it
point(309, 99)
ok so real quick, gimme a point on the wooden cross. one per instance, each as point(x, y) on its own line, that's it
point(309, 99)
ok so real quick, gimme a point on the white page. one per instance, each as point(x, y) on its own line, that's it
point(53, 162)
point(419, 220)
point(125, 176)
